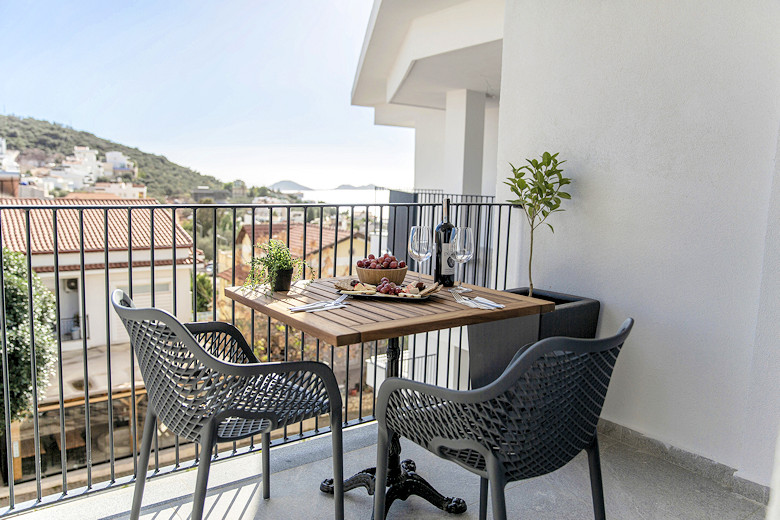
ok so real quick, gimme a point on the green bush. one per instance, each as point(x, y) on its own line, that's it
point(17, 323)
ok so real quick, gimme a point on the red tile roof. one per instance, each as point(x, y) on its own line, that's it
point(296, 236)
point(14, 235)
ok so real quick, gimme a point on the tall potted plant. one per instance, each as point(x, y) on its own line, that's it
point(538, 186)
point(275, 267)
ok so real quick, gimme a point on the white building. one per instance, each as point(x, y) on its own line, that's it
point(668, 115)
point(8, 158)
point(124, 190)
point(82, 166)
point(171, 262)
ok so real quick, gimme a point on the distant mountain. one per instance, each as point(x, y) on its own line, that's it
point(161, 176)
point(288, 186)
point(351, 187)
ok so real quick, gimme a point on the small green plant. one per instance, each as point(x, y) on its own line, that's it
point(538, 188)
point(274, 257)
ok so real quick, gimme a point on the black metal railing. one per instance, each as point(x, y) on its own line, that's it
point(79, 430)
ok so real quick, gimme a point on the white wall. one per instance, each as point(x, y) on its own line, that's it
point(429, 172)
point(667, 114)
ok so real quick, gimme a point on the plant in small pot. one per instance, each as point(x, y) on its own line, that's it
point(275, 267)
point(538, 186)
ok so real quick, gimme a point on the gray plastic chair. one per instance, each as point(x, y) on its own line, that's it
point(535, 418)
point(205, 384)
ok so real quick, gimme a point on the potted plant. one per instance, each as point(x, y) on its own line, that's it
point(538, 188)
point(275, 267)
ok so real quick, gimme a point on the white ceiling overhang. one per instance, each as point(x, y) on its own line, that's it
point(415, 52)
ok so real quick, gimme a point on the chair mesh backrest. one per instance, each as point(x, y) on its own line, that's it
point(179, 386)
point(536, 426)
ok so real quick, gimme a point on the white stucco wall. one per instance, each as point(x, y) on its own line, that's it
point(667, 114)
point(429, 172)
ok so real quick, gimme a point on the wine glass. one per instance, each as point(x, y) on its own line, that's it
point(420, 246)
point(462, 244)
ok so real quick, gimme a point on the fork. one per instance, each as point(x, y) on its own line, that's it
point(470, 303)
point(314, 305)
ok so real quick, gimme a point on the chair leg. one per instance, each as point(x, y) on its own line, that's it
point(143, 462)
point(496, 477)
point(338, 467)
point(206, 447)
point(380, 482)
point(266, 456)
point(483, 498)
point(596, 485)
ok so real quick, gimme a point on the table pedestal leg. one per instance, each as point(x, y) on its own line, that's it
point(402, 478)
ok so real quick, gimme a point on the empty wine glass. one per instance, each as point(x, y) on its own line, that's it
point(420, 245)
point(462, 243)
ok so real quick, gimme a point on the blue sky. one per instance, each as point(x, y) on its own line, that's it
point(257, 90)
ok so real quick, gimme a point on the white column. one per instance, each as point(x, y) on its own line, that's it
point(464, 136)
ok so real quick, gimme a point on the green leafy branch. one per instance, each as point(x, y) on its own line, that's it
point(538, 187)
point(274, 257)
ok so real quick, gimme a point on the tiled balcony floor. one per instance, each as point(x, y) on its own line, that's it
point(637, 486)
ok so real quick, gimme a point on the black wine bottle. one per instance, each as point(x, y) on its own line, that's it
point(444, 272)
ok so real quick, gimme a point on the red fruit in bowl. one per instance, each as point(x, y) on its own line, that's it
point(360, 263)
point(384, 279)
point(386, 265)
point(393, 265)
point(393, 259)
point(401, 264)
point(371, 257)
point(372, 265)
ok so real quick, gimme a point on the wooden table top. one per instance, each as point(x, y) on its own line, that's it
point(372, 319)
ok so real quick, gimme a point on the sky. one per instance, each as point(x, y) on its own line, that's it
point(253, 90)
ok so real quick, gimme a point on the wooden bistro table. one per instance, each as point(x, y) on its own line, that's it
point(364, 320)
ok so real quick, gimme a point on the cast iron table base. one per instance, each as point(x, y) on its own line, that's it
point(402, 478)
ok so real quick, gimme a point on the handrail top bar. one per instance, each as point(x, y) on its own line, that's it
point(246, 206)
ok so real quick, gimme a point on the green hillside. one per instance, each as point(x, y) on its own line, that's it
point(162, 177)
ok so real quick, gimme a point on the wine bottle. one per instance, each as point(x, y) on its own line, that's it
point(444, 271)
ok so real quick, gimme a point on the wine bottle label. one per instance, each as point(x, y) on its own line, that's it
point(447, 261)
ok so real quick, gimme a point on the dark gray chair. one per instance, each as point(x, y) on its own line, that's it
point(535, 418)
point(205, 384)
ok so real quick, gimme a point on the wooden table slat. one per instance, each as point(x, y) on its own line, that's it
point(368, 320)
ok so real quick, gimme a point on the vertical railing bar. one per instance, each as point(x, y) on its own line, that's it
point(287, 327)
point(109, 380)
point(498, 247)
point(233, 268)
point(346, 390)
point(134, 421)
point(351, 235)
point(175, 307)
point(433, 228)
point(252, 311)
point(194, 284)
point(303, 275)
point(214, 266)
point(488, 242)
point(60, 381)
point(6, 377)
point(376, 362)
point(449, 357)
point(83, 306)
point(460, 353)
point(33, 360)
point(153, 302)
point(477, 241)
point(508, 236)
point(335, 242)
point(269, 336)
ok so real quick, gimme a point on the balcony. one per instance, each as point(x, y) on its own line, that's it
point(86, 419)
point(638, 485)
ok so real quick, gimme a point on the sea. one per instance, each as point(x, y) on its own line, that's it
point(346, 197)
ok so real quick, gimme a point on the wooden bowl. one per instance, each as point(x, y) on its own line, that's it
point(373, 276)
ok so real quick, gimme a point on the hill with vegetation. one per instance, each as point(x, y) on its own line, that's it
point(53, 141)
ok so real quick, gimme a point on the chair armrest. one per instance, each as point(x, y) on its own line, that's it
point(223, 341)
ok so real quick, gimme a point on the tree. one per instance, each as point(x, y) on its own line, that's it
point(17, 323)
point(204, 292)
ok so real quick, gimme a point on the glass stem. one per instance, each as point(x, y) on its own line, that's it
point(419, 276)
